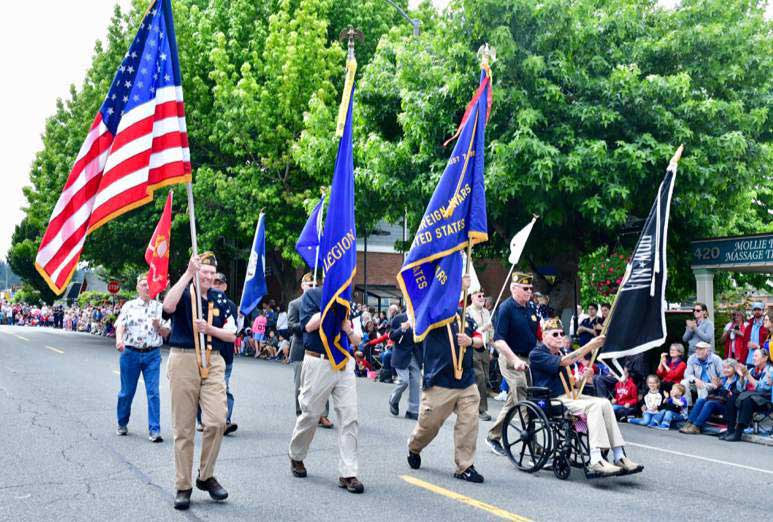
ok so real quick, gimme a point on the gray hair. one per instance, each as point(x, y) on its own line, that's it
point(730, 362)
point(679, 347)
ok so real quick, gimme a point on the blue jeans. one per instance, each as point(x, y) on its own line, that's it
point(665, 418)
point(645, 419)
point(228, 395)
point(408, 378)
point(149, 364)
point(703, 410)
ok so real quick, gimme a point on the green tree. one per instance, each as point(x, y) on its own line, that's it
point(591, 99)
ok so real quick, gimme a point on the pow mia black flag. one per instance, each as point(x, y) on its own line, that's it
point(637, 321)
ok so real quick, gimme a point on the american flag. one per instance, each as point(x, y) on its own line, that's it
point(137, 143)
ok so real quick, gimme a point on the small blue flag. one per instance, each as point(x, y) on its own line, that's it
point(255, 280)
point(431, 276)
point(308, 242)
point(338, 246)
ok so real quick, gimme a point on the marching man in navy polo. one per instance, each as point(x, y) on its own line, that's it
point(444, 394)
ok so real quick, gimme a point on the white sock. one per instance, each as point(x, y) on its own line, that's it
point(618, 453)
point(595, 455)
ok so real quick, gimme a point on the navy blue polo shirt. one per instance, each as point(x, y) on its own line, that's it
point(310, 305)
point(517, 326)
point(438, 362)
point(182, 318)
point(545, 370)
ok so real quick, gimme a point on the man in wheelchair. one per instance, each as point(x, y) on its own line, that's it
point(548, 365)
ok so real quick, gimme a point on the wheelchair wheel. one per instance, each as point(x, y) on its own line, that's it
point(562, 467)
point(580, 457)
point(527, 437)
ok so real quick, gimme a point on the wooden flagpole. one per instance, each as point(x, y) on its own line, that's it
point(674, 161)
point(462, 349)
point(201, 345)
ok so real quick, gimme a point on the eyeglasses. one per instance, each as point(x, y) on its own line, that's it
point(699, 310)
point(527, 288)
point(557, 334)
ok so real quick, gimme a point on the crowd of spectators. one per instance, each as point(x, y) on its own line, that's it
point(94, 319)
point(692, 387)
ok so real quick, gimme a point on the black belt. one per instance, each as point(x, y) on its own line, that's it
point(141, 350)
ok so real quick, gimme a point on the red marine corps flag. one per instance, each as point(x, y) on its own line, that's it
point(157, 253)
point(137, 143)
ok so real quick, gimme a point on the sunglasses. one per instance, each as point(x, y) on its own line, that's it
point(698, 310)
point(526, 288)
point(557, 334)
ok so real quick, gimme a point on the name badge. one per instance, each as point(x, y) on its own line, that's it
point(216, 312)
point(534, 318)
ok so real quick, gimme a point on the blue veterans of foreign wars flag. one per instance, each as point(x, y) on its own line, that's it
point(431, 276)
point(255, 280)
point(637, 321)
point(338, 245)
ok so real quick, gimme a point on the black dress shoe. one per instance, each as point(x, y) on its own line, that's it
point(213, 487)
point(412, 416)
point(394, 409)
point(182, 500)
point(230, 427)
point(414, 460)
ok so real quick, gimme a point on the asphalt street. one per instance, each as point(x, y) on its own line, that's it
point(61, 459)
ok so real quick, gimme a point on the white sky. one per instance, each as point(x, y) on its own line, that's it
point(49, 49)
point(50, 52)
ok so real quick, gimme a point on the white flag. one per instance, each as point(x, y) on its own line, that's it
point(519, 241)
point(474, 281)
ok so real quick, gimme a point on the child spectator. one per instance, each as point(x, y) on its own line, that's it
point(674, 409)
point(626, 397)
point(361, 366)
point(259, 328)
point(671, 369)
point(652, 402)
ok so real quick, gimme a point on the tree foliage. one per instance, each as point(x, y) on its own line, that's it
point(591, 97)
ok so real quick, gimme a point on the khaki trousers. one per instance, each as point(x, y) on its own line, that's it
point(189, 392)
point(319, 381)
point(437, 403)
point(517, 383)
point(603, 431)
point(480, 362)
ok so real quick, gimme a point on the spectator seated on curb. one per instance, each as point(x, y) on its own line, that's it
point(702, 367)
point(674, 409)
point(756, 385)
point(672, 367)
point(626, 397)
point(725, 389)
point(653, 401)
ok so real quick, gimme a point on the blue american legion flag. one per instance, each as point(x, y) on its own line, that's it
point(431, 276)
point(137, 143)
point(307, 245)
point(338, 246)
point(255, 280)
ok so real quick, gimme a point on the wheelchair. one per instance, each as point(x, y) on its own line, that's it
point(539, 432)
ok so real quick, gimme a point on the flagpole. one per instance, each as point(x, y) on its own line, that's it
point(319, 238)
point(196, 312)
point(673, 163)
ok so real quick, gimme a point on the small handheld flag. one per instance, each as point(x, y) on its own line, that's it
point(157, 253)
point(137, 143)
point(255, 279)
